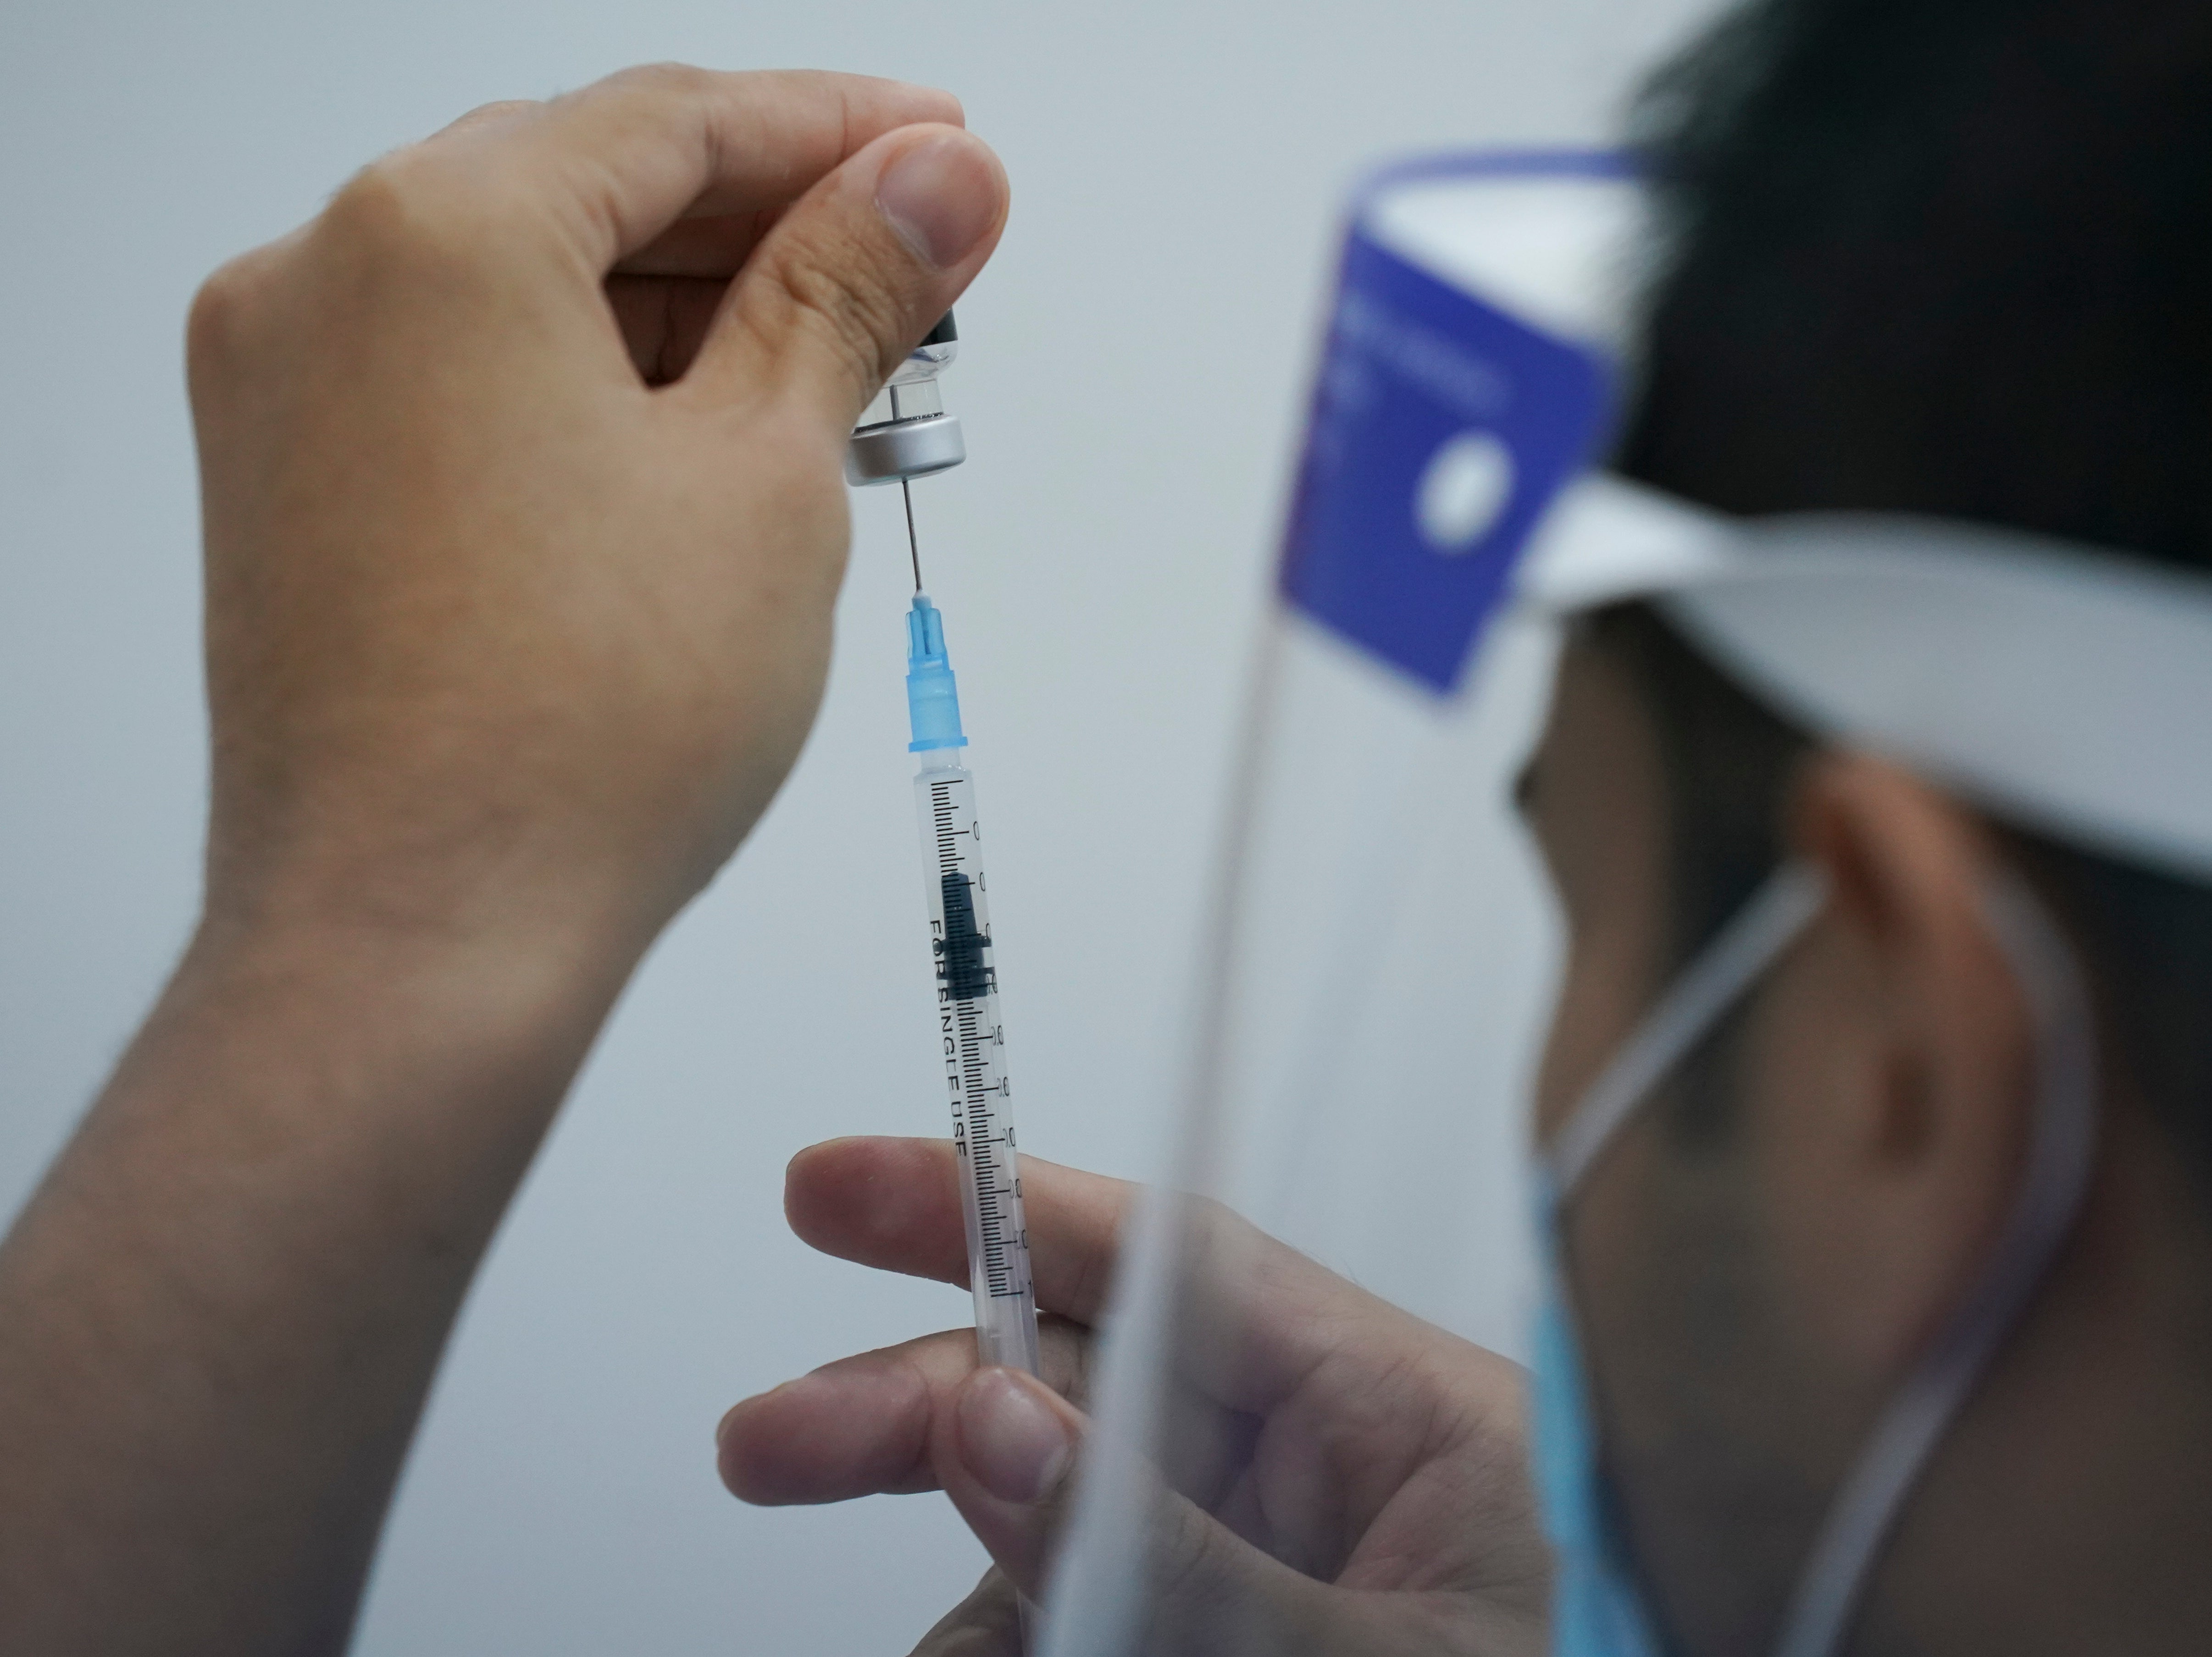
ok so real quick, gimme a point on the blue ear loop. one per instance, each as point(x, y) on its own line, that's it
point(1599, 1606)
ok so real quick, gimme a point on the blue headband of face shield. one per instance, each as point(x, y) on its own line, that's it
point(1447, 500)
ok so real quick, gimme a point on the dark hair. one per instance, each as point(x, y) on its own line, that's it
point(1948, 257)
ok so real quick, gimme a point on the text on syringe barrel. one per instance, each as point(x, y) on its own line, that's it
point(972, 1041)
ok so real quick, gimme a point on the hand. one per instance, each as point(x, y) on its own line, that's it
point(524, 519)
point(1366, 1488)
point(523, 499)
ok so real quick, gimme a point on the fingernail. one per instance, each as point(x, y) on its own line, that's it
point(941, 195)
point(1011, 1438)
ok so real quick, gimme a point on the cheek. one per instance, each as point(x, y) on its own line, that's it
point(1664, 1271)
point(1695, 1420)
point(1605, 989)
point(1595, 800)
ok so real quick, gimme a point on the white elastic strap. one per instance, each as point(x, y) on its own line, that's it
point(1746, 946)
point(2059, 1160)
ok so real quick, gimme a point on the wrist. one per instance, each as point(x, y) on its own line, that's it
point(414, 974)
point(510, 918)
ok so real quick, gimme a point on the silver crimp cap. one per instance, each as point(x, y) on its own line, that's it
point(904, 448)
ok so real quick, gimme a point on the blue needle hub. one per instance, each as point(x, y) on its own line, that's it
point(933, 697)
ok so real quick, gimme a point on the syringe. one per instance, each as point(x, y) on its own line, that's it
point(906, 434)
point(971, 1035)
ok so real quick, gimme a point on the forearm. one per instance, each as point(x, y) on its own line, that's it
point(220, 1314)
point(518, 612)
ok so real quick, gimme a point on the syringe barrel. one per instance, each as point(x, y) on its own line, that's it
point(971, 1037)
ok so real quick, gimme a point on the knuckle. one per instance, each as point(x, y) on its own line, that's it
point(404, 210)
point(1187, 1560)
point(667, 79)
point(849, 311)
point(498, 110)
point(379, 206)
point(224, 314)
point(498, 114)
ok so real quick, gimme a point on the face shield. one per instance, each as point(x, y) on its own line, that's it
point(1377, 962)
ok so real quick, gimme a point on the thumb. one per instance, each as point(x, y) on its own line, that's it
point(1006, 1457)
point(854, 273)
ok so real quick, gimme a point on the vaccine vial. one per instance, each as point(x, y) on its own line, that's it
point(905, 432)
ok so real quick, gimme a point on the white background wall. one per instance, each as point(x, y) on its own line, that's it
point(1131, 384)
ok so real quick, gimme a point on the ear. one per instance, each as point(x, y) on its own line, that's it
point(1887, 1073)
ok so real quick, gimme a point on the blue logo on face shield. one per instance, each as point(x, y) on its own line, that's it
point(1442, 429)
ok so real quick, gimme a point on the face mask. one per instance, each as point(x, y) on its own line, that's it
point(1596, 1609)
point(1599, 1609)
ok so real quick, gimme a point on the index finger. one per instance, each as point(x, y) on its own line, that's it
point(895, 1205)
point(615, 164)
point(1260, 1319)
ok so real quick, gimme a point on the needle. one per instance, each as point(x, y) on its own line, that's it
point(913, 545)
